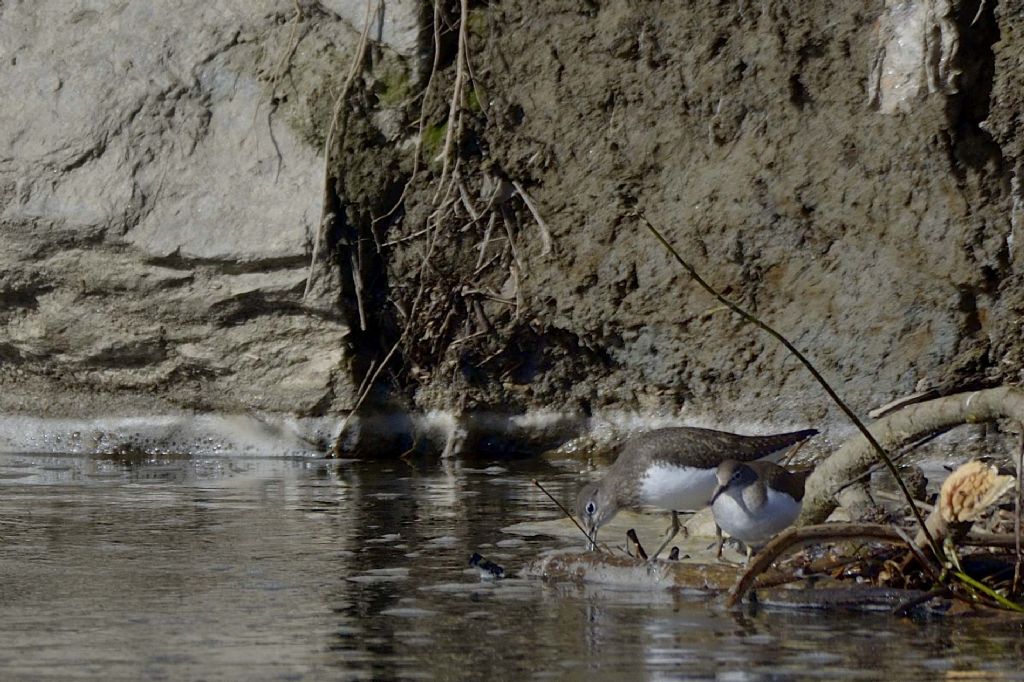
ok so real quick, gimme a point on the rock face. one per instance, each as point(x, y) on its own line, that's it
point(161, 185)
point(156, 216)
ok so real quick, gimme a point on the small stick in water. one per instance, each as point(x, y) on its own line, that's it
point(559, 505)
point(633, 541)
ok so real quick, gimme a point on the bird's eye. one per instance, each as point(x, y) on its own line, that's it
point(591, 508)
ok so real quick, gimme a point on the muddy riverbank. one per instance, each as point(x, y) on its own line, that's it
point(159, 209)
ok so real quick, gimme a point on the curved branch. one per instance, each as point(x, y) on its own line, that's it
point(897, 429)
point(828, 532)
point(832, 532)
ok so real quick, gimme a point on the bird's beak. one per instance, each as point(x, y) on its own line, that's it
point(592, 537)
point(714, 496)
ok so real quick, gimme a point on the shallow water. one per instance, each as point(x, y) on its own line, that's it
point(296, 569)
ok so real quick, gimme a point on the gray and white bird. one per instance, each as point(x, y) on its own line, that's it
point(672, 469)
point(756, 500)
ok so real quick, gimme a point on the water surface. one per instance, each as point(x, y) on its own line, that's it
point(264, 568)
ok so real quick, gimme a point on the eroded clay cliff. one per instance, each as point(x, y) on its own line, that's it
point(162, 187)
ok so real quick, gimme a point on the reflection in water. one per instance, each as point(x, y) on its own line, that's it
point(285, 569)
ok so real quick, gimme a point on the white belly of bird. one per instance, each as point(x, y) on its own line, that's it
point(677, 488)
point(755, 526)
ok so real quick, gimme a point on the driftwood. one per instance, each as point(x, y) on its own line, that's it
point(897, 429)
point(795, 538)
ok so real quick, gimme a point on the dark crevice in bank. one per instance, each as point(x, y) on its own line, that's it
point(365, 198)
point(972, 148)
point(978, 163)
point(370, 197)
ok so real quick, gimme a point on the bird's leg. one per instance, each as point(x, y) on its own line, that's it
point(719, 545)
point(672, 531)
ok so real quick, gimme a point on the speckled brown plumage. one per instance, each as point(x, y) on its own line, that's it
point(768, 474)
point(672, 469)
point(774, 476)
point(690, 447)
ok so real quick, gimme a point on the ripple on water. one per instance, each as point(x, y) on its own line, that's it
point(380, 575)
point(443, 541)
point(511, 542)
point(494, 470)
point(460, 589)
point(408, 612)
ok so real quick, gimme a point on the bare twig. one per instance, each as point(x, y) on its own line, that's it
point(979, 539)
point(357, 284)
point(422, 124)
point(921, 558)
point(467, 338)
point(1016, 509)
point(468, 204)
point(863, 476)
point(455, 108)
point(365, 382)
point(491, 261)
point(545, 233)
point(421, 287)
point(367, 387)
point(899, 428)
point(356, 66)
point(788, 458)
point(810, 368)
point(560, 506)
point(516, 266)
point(486, 241)
point(901, 402)
point(290, 47)
point(634, 541)
point(977, 15)
point(409, 237)
point(511, 239)
point(882, 494)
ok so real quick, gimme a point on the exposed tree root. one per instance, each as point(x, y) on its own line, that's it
point(454, 131)
point(797, 537)
point(897, 429)
point(326, 219)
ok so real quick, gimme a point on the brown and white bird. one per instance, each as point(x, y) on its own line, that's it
point(756, 500)
point(673, 469)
